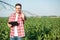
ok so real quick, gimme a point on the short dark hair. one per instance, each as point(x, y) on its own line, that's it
point(18, 4)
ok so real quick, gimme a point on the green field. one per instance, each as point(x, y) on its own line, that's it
point(36, 28)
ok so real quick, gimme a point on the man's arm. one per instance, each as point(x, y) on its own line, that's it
point(23, 17)
point(9, 25)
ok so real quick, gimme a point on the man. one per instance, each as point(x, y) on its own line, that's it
point(17, 32)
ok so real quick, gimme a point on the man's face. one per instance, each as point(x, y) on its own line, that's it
point(18, 9)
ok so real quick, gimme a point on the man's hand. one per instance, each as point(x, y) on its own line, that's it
point(23, 16)
point(9, 25)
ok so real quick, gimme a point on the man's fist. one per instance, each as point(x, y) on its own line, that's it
point(22, 16)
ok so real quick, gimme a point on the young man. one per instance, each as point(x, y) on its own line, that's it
point(17, 32)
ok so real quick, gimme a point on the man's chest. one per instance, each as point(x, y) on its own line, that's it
point(17, 18)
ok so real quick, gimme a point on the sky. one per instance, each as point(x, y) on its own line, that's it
point(37, 7)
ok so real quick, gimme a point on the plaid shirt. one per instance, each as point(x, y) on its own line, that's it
point(20, 27)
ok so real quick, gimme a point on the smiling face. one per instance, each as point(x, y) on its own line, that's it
point(18, 9)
